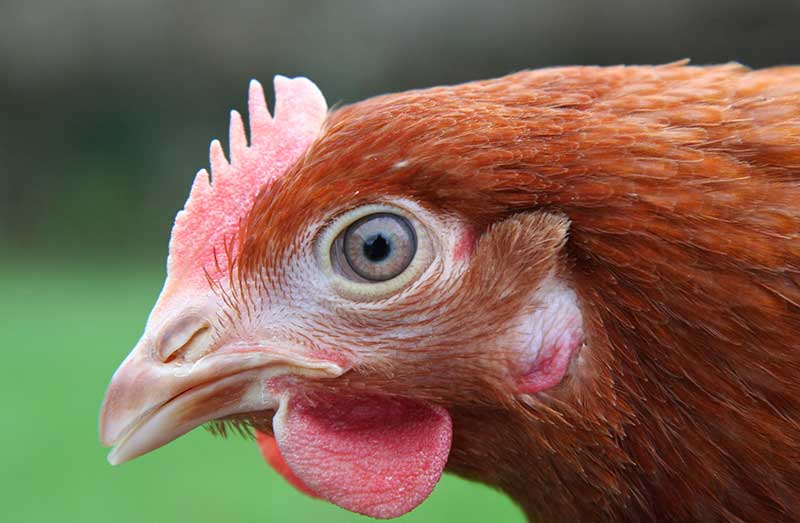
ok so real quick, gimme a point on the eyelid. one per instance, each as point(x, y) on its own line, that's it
point(360, 289)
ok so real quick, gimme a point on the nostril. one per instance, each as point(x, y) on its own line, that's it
point(194, 347)
point(185, 339)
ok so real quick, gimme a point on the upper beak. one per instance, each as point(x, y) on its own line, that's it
point(152, 400)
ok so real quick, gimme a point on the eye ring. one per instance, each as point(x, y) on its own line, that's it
point(349, 284)
point(379, 246)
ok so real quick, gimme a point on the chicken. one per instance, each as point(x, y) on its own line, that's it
point(578, 285)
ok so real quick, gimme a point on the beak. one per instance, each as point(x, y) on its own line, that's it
point(155, 397)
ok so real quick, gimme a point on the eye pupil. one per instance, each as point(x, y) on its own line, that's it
point(376, 248)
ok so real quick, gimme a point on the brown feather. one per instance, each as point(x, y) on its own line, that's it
point(682, 190)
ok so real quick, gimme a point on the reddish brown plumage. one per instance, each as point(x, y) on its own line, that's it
point(681, 187)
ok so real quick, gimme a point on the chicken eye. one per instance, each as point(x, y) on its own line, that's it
point(374, 251)
point(380, 246)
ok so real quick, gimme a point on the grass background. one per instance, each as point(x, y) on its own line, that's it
point(65, 328)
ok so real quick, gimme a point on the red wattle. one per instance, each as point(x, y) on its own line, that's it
point(377, 456)
point(272, 454)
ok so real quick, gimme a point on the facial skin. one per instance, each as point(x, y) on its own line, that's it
point(407, 337)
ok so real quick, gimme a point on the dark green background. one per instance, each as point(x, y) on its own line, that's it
point(106, 112)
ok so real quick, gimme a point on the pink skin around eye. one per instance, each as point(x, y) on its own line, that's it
point(464, 246)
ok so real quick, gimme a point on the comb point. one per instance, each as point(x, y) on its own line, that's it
point(237, 139)
point(298, 102)
point(260, 119)
point(219, 163)
point(201, 184)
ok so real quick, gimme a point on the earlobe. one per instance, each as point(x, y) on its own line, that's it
point(553, 333)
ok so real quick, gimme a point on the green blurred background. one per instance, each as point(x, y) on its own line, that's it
point(106, 112)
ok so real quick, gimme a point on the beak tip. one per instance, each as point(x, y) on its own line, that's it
point(106, 435)
point(114, 458)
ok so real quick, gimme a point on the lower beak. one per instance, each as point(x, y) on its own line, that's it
point(150, 403)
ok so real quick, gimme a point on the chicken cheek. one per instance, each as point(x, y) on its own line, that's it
point(519, 265)
point(379, 457)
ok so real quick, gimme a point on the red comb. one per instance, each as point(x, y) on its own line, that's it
point(215, 207)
